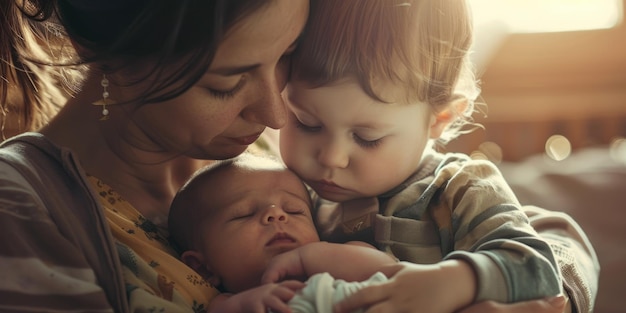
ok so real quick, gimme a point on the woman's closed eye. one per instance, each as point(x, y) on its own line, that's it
point(225, 94)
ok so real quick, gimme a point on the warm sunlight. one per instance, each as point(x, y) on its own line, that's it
point(527, 16)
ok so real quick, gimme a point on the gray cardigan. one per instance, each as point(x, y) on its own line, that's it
point(54, 234)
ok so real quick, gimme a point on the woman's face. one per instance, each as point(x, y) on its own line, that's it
point(239, 95)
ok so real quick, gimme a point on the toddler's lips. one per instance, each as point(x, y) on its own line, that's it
point(328, 186)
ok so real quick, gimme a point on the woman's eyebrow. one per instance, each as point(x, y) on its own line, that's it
point(233, 70)
point(236, 70)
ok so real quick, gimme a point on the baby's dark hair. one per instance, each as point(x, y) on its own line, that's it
point(186, 210)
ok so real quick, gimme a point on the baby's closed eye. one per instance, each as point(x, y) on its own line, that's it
point(241, 212)
point(296, 208)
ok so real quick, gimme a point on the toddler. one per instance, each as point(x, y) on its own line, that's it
point(372, 90)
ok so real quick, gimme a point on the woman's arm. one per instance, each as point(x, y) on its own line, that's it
point(580, 268)
point(43, 268)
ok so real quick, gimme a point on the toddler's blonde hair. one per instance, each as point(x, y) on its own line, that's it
point(420, 47)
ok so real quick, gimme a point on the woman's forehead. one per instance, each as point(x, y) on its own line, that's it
point(264, 35)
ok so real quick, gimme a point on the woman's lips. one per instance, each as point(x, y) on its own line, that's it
point(246, 140)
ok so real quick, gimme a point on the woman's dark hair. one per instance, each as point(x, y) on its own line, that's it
point(179, 38)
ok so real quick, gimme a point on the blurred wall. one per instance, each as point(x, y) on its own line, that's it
point(542, 84)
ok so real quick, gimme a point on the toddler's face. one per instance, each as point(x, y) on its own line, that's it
point(257, 214)
point(346, 145)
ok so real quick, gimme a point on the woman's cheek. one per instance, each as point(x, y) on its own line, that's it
point(287, 144)
point(292, 148)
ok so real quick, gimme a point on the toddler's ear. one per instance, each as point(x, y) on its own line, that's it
point(442, 119)
point(195, 260)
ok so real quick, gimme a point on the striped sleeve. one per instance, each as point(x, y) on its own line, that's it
point(40, 268)
point(577, 259)
point(512, 262)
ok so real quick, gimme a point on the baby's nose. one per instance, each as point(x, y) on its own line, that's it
point(275, 213)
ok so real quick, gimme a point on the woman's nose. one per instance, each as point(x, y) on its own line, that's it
point(269, 107)
point(274, 213)
point(271, 111)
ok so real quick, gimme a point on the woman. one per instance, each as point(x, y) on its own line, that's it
point(157, 89)
point(192, 81)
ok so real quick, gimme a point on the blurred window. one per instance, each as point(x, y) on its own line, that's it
point(531, 16)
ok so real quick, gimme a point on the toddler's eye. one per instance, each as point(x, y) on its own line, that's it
point(367, 143)
point(307, 128)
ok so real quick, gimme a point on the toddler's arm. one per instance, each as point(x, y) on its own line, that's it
point(353, 261)
point(490, 231)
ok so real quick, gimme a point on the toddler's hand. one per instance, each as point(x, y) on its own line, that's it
point(437, 288)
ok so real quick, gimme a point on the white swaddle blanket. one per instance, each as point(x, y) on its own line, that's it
point(322, 291)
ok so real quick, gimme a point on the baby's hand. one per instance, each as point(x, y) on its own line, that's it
point(261, 299)
point(288, 265)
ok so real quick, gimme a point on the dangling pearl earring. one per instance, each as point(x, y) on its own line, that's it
point(105, 98)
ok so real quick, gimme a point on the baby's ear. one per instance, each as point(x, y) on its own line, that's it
point(443, 118)
point(195, 260)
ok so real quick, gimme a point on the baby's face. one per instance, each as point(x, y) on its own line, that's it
point(257, 214)
point(346, 145)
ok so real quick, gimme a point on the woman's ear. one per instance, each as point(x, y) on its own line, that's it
point(445, 117)
point(195, 260)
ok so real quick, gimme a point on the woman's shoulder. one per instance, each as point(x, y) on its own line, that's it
point(30, 153)
point(27, 145)
point(32, 160)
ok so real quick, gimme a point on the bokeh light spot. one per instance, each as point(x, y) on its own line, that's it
point(558, 147)
point(617, 149)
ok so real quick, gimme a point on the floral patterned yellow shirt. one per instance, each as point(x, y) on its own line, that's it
point(156, 280)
